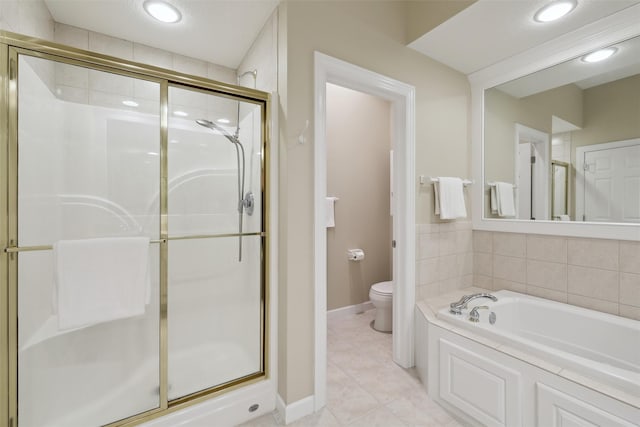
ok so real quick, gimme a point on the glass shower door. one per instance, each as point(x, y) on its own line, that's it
point(88, 172)
point(215, 224)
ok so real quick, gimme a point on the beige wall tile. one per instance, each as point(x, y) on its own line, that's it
point(593, 304)
point(630, 289)
point(449, 285)
point(510, 244)
point(464, 225)
point(448, 243)
point(466, 280)
point(224, 74)
point(547, 293)
point(482, 241)
point(481, 281)
point(465, 264)
point(464, 241)
point(630, 257)
point(428, 291)
point(595, 253)
point(544, 248)
point(448, 267)
point(500, 284)
point(629, 311)
point(428, 271)
point(483, 264)
point(593, 283)
point(550, 275)
point(509, 268)
point(429, 245)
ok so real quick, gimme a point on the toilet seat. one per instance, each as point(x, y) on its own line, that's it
point(382, 288)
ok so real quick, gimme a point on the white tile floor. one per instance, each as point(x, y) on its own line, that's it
point(364, 387)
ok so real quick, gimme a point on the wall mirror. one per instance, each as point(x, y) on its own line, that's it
point(556, 136)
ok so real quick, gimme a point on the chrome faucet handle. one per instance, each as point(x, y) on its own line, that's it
point(474, 316)
point(456, 307)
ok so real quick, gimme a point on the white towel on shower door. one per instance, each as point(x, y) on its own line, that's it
point(100, 280)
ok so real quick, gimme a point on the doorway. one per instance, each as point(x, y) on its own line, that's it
point(402, 98)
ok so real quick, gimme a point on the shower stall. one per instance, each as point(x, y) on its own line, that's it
point(101, 155)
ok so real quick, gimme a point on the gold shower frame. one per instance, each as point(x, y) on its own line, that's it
point(12, 45)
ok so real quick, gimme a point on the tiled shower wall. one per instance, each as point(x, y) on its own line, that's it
point(599, 274)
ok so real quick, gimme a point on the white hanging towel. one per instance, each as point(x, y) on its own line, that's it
point(493, 200)
point(504, 196)
point(450, 198)
point(99, 280)
point(330, 211)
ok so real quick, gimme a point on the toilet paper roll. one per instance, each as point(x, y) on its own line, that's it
point(355, 254)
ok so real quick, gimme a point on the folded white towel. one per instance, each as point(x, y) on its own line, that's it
point(330, 211)
point(450, 198)
point(504, 196)
point(99, 280)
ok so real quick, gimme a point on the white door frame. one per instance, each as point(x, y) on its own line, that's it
point(402, 98)
point(541, 180)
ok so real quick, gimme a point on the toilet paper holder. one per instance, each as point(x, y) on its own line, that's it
point(355, 254)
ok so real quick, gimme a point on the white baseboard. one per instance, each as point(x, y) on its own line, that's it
point(294, 411)
point(341, 312)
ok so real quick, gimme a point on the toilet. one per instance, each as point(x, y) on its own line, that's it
point(381, 296)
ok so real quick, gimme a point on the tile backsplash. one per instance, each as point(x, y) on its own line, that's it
point(599, 274)
point(444, 258)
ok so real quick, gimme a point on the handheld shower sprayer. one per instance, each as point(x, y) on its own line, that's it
point(245, 202)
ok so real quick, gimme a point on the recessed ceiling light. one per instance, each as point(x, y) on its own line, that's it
point(599, 55)
point(180, 113)
point(130, 103)
point(223, 121)
point(162, 11)
point(555, 10)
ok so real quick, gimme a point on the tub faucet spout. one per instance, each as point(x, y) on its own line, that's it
point(461, 304)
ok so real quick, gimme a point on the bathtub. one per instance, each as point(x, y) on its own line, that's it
point(540, 363)
point(599, 345)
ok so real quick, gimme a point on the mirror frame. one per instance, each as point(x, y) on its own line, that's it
point(609, 30)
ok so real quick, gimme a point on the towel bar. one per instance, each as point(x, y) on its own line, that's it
point(493, 184)
point(423, 180)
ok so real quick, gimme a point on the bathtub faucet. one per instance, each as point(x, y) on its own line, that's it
point(461, 304)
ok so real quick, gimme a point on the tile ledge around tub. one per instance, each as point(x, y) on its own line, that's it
point(599, 387)
point(430, 306)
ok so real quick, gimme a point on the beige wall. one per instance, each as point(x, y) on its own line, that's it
point(599, 274)
point(425, 15)
point(370, 35)
point(611, 113)
point(358, 144)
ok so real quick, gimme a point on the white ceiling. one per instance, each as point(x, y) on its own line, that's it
point(218, 31)
point(489, 31)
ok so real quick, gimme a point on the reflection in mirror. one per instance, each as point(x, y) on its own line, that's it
point(559, 184)
point(568, 139)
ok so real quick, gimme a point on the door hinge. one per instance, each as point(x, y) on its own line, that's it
point(11, 422)
point(393, 244)
point(533, 160)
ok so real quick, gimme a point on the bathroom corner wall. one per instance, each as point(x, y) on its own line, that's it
point(444, 260)
point(599, 274)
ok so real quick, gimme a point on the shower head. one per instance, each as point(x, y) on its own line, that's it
point(209, 124)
